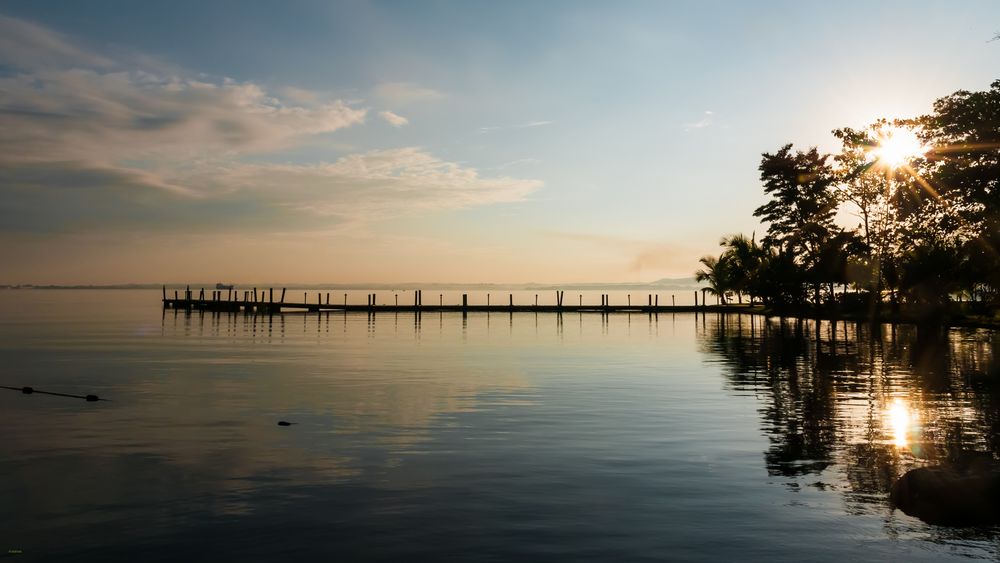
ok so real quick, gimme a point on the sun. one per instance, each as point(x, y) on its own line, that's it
point(897, 146)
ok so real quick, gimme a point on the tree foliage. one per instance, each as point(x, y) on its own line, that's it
point(929, 225)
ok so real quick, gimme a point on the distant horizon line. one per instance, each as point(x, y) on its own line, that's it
point(662, 283)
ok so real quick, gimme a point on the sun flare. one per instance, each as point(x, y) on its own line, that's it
point(897, 146)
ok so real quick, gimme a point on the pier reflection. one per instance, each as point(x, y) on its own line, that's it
point(852, 407)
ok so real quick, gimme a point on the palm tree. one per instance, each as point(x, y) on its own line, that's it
point(716, 273)
point(743, 257)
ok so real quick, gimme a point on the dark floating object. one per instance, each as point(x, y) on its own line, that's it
point(964, 494)
point(27, 390)
point(285, 423)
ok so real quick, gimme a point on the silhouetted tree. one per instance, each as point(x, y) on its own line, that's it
point(800, 213)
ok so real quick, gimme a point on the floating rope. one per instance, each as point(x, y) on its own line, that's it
point(29, 390)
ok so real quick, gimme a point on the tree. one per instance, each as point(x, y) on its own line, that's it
point(743, 257)
point(800, 213)
point(717, 274)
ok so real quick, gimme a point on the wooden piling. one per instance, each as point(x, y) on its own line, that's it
point(164, 293)
point(512, 300)
point(175, 295)
point(282, 295)
point(201, 294)
point(327, 297)
point(673, 300)
point(465, 301)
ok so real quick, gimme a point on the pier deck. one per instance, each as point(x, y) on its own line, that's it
point(269, 302)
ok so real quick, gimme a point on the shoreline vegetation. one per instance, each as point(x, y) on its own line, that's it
point(925, 193)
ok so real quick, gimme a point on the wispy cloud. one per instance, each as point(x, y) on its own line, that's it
point(393, 119)
point(24, 45)
point(406, 93)
point(87, 142)
point(708, 118)
point(517, 126)
point(518, 162)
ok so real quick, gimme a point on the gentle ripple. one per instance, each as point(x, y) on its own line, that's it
point(486, 438)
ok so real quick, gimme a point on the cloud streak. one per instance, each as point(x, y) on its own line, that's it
point(527, 125)
point(406, 93)
point(707, 120)
point(393, 119)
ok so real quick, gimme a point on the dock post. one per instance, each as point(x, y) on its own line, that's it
point(282, 295)
point(536, 300)
point(345, 301)
point(673, 300)
point(440, 299)
point(327, 297)
point(305, 298)
point(187, 293)
point(629, 299)
point(164, 293)
point(175, 295)
point(650, 304)
point(270, 295)
point(319, 298)
point(373, 300)
point(487, 299)
point(465, 301)
point(695, 298)
point(581, 300)
point(416, 298)
point(255, 295)
point(511, 300)
point(229, 296)
point(657, 300)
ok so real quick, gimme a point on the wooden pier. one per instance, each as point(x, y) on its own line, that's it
point(272, 302)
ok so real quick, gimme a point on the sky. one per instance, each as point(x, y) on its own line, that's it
point(463, 142)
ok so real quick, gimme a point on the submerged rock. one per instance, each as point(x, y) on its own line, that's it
point(950, 495)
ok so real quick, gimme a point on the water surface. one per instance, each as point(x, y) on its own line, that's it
point(479, 438)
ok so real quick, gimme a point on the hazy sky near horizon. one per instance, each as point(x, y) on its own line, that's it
point(303, 141)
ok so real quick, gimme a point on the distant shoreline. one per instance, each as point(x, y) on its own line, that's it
point(668, 284)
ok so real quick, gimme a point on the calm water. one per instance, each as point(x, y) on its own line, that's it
point(481, 439)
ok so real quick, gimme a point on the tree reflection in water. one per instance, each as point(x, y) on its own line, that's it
point(852, 407)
